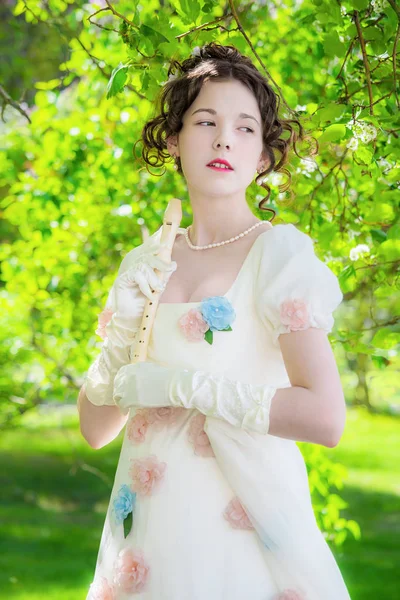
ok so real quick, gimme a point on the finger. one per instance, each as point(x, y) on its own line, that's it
point(128, 277)
point(162, 265)
point(156, 282)
point(143, 283)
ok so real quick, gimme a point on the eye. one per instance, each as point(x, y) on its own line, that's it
point(201, 122)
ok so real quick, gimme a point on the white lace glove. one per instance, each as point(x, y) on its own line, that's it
point(119, 322)
point(150, 385)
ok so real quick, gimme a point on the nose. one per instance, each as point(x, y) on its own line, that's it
point(218, 145)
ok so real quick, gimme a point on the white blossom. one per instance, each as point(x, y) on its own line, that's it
point(352, 144)
point(122, 211)
point(362, 130)
point(358, 251)
point(309, 165)
point(379, 5)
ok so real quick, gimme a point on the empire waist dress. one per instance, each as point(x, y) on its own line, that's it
point(176, 527)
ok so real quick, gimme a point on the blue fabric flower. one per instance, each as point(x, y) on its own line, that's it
point(124, 503)
point(218, 313)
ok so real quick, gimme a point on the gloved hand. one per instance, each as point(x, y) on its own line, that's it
point(119, 322)
point(136, 279)
point(150, 385)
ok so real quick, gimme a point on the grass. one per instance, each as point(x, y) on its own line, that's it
point(55, 490)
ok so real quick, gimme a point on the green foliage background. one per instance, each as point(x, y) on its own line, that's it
point(74, 198)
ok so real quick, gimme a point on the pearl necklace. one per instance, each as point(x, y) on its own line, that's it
point(232, 239)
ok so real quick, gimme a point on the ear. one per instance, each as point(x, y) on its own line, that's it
point(173, 145)
point(263, 162)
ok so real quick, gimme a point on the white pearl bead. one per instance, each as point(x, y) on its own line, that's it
point(215, 245)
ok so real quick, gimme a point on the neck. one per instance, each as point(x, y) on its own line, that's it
point(218, 224)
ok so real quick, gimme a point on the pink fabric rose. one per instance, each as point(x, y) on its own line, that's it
point(236, 515)
point(147, 474)
point(165, 415)
point(294, 314)
point(193, 326)
point(100, 589)
point(289, 595)
point(104, 318)
point(130, 570)
point(138, 425)
point(198, 437)
point(137, 428)
point(147, 414)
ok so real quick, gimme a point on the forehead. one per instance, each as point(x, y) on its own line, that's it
point(226, 96)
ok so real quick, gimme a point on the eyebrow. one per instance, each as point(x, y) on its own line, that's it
point(214, 112)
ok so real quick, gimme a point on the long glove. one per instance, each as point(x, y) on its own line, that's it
point(119, 322)
point(150, 385)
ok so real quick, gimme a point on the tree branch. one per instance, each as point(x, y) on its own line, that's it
point(365, 60)
point(8, 100)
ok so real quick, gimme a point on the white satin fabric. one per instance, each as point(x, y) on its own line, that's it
point(181, 529)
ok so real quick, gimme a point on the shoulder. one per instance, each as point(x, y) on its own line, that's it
point(281, 244)
point(288, 258)
point(291, 238)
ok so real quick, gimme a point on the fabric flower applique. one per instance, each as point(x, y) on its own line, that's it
point(236, 515)
point(131, 571)
point(137, 428)
point(100, 589)
point(290, 595)
point(198, 437)
point(103, 319)
point(162, 415)
point(157, 417)
point(124, 507)
point(147, 474)
point(294, 314)
point(215, 314)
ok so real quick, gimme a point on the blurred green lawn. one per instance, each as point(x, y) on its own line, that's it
point(55, 490)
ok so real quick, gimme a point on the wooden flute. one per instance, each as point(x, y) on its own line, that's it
point(171, 222)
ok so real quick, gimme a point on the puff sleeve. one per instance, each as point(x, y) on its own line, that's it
point(295, 289)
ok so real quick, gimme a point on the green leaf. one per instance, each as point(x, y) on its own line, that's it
point(128, 524)
point(47, 85)
point(155, 36)
point(189, 8)
point(381, 362)
point(333, 133)
point(209, 336)
point(385, 339)
point(359, 4)
point(363, 154)
point(117, 80)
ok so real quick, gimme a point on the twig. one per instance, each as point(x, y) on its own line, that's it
point(365, 60)
point(8, 100)
point(97, 24)
point(117, 14)
point(246, 37)
point(203, 25)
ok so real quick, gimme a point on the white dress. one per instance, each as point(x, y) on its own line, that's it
point(188, 535)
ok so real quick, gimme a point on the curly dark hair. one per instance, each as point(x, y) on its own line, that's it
point(217, 62)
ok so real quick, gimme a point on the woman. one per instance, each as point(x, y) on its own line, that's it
point(210, 498)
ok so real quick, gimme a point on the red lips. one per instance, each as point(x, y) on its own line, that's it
point(220, 160)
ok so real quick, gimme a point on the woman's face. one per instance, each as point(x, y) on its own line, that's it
point(226, 134)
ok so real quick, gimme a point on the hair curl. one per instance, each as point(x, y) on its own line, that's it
point(217, 62)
